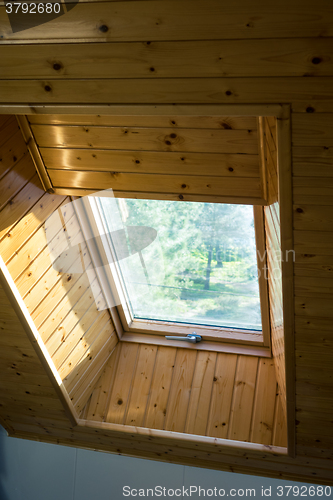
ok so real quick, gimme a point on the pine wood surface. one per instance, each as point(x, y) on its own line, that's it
point(201, 393)
point(296, 40)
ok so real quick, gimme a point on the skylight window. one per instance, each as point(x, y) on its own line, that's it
point(189, 263)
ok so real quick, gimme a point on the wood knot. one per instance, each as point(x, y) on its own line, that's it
point(310, 109)
point(103, 28)
point(137, 162)
point(120, 402)
point(225, 125)
point(57, 66)
point(316, 60)
point(152, 69)
point(183, 186)
point(173, 136)
point(228, 92)
point(181, 197)
point(47, 88)
point(168, 143)
point(230, 169)
point(299, 210)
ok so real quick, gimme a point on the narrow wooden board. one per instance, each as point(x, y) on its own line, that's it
point(99, 398)
point(202, 119)
point(300, 92)
point(264, 403)
point(12, 152)
point(99, 160)
point(43, 263)
point(180, 390)
point(203, 380)
point(280, 428)
point(243, 398)
point(16, 179)
point(313, 217)
point(174, 20)
point(147, 139)
point(160, 387)
point(70, 368)
point(289, 57)
point(209, 186)
point(19, 206)
point(23, 230)
point(50, 301)
point(313, 190)
point(141, 385)
point(223, 386)
point(312, 129)
point(72, 328)
point(122, 383)
point(38, 240)
point(84, 388)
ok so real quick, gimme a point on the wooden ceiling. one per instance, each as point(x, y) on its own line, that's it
point(288, 47)
point(173, 157)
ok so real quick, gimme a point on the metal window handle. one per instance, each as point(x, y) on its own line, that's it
point(191, 337)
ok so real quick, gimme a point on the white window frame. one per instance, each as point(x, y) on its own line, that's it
point(153, 331)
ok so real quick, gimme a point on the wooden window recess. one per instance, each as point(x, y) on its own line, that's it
point(231, 340)
point(153, 332)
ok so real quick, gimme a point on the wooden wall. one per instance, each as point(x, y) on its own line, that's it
point(281, 53)
point(197, 392)
point(73, 325)
point(273, 272)
point(206, 158)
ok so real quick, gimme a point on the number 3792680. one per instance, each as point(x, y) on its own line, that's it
point(32, 8)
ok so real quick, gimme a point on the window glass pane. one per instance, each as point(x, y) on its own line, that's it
point(187, 262)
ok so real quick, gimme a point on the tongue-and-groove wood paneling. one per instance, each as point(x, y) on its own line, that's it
point(168, 157)
point(62, 304)
point(303, 81)
point(204, 393)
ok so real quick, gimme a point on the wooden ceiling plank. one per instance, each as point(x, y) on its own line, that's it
point(174, 20)
point(147, 139)
point(203, 120)
point(224, 165)
point(217, 186)
point(300, 92)
point(217, 58)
